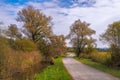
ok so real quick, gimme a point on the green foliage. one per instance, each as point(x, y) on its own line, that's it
point(115, 56)
point(44, 48)
point(3, 45)
point(70, 49)
point(90, 49)
point(54, 72)
point(24, 45)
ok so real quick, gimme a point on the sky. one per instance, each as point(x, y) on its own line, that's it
point(99, 13)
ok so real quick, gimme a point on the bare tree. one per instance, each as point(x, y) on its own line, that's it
point(80, 36)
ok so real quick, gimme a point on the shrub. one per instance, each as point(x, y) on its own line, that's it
point(115, 56)
point(101, 57)
point(24, 45)
point(24, 64)
point(4, 57)
point(20, 64)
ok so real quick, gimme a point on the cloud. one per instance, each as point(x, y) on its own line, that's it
point(83, 3)
point(99, 13)
point(8, 14)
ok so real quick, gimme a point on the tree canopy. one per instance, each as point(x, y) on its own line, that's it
point(112, 34)
point(36, 24)
point(80, 35)
point(13, 32)
point(112, 37)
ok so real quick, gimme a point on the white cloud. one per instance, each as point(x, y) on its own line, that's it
point(102, 13)
point(8, 14)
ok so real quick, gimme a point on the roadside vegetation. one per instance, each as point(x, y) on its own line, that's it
point(54, 72)
point(27, 50)
point(20, 63)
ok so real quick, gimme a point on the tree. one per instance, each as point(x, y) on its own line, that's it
point(112, 37)
point(58, 45)
point(36, 24)
point(80, 36)
point(53, 48)
point(13, 32)
point(112, 34)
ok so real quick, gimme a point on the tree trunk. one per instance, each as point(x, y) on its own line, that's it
point(78, 51)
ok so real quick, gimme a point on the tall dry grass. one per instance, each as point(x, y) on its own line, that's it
point(101, 57)
point(17, 64)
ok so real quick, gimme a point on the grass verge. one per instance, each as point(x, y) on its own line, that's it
point(110, 70)
point(54, 72)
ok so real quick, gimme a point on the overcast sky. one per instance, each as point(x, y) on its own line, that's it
point(99, 13)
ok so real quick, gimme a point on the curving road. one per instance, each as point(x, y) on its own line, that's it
point(81, 71)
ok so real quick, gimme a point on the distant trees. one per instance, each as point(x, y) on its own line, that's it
point(80, 36)
point(112, 37)
point(13, 32)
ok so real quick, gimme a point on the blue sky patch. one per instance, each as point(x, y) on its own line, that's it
point(15, 1)
point(60, 3)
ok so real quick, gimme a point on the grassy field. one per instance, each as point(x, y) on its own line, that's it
point(101, 67)
point(54, 72)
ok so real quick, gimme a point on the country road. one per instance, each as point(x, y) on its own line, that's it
point(81, 71)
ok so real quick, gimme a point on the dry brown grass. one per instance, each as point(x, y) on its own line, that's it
point(102, 57)
point(17, 65)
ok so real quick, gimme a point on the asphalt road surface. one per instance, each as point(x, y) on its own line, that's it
point(81, 71)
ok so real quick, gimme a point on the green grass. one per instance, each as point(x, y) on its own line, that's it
point(54, 72)
point(110, 70)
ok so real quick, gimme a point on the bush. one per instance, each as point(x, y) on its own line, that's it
point(115, 56)
point(4, 57)
point(20, 64)
point(101, 57)
point(24, 45)
point(24, 64)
